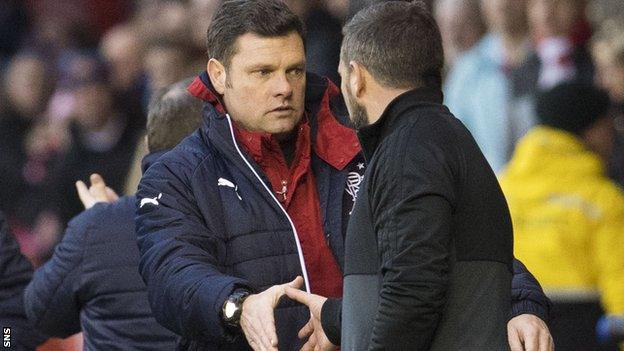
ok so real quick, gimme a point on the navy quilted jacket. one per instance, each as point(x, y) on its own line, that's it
point(208, 223)
point(92, 284)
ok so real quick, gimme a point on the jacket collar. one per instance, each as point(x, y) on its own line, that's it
point(333, 142)
point(371, 135)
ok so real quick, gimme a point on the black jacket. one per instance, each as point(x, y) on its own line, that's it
point(15, 273)
point(92, 283)
point(428, 252)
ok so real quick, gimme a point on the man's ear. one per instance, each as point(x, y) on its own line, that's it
point(357, 79)
point(217, 74)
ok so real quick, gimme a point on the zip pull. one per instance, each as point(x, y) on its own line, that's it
point(284, 190)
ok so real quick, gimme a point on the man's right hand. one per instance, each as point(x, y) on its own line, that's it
point(257, 319)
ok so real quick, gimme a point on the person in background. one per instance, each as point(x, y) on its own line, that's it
point(322, 36)
point(100, 138)
point(123, 49)
point(461, 25)
point(608, 53)
point(561, 34)
point(568, 215)
point(165, 63)
point(92, 281)
point(487, 88)
point(27, 86)
point(15, 274)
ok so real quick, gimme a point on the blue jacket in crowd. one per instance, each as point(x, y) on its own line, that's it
point(92, 284)
point(208, 223)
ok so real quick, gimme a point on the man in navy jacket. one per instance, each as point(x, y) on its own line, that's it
point(92, 281)
point(259, 195)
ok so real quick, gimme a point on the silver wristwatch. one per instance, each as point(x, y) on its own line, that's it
point(233, 307)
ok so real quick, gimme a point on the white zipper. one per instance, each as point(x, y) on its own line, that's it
point(300, 252)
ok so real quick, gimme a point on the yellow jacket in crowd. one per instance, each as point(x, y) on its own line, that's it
point(568, 217)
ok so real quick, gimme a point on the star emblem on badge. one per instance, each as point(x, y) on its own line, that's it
point(360, 165)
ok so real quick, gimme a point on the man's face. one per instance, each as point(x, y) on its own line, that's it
point(505, 16)
point(92, 106)
point(549, 18)
point(265, 83)
point(357, 112)
point(24, 86)
point(609, 73)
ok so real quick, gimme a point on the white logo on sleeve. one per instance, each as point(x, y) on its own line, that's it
point(226, 183)
point(354, 179)
point(149, 200)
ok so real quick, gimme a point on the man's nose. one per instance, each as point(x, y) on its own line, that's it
point(282, 85)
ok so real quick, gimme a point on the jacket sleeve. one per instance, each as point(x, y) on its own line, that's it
point(180, 257)
point(527, 296)
point(51, 299)
point(15, 273)
point(411, 204)
point(331, 320)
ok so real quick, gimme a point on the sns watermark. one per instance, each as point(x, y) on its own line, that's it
point(6, 337)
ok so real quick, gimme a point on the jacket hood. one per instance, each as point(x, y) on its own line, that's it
point(545, 150)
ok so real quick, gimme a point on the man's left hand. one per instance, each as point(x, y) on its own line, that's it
point(313, 330)
point(527, 332)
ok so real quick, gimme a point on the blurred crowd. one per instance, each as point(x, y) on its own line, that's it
point(77, 76)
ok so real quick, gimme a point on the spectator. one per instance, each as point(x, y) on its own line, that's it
point(15, 273)
point(608, 52)
point(561, 33)
point(165, 63)
point(568, 216)
point(487, 89)
point(92, 281)
point(323, 37)
point(100, 137)
point(27, 86)
point(461, 25)
point(123, 49)
point(14, 23)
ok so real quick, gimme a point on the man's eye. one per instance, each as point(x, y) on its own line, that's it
point(296, 71)
point(263, 72)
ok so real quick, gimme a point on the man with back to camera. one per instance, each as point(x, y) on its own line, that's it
point(259, 195)
point(428, 251)
point(91, 283)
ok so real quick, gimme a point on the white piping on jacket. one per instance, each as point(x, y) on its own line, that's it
point(300, 252)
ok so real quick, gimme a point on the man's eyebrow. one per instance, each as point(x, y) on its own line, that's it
point(300, 64)
point(260, 66)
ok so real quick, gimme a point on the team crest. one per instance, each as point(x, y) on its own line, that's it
point(354, 179)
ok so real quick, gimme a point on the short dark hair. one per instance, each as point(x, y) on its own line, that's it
point(234, 18)
point(398, 42)
point(173, 114)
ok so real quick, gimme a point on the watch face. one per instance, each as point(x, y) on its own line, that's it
point(230, 309)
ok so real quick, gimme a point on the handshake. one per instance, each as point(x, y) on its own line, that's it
point(258, 323)
point(525, 332)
